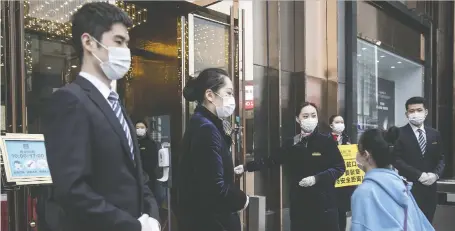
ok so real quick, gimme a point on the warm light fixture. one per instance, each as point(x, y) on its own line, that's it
point(74, 66)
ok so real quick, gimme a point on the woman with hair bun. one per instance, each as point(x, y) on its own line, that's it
point(208, 199)
point(314, 163)
point(384, 200)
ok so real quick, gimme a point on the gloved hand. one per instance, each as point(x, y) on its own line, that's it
point(307, 181)
point(431, 179)
point(239, 170)
point(424, 177)
point(149, 223)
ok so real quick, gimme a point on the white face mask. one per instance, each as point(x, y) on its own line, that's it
point(308, 125)
point(140, 131)
point(338, 128)
point(359, 164)
point(227, 108)
point(118, 63)
point(417, 118)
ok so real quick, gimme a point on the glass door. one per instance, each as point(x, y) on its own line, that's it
point(212, 37)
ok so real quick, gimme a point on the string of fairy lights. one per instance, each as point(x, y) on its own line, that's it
point(53, 17)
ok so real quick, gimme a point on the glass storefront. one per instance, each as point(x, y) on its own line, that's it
point(384, 82)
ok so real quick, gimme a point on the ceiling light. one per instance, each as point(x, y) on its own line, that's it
point(363, 48)
point(359, 55)
point(382, 56)
point(74, 66)
point(392, 67)
point(399, 62)
point(49, 68)
point(377, 61)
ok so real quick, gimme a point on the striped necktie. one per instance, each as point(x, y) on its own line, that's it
point(422, 141)
point(113, 98)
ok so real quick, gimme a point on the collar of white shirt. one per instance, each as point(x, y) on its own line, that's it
point(414, 128)
point(104, 90)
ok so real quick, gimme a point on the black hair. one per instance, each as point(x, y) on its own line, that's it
point(332, 118)
point(379, 144)
point(416, 100)
point(142, 122)
point(95, 18)
point(298, 109)
point(211, 78)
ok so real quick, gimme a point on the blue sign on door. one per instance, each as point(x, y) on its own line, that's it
point(27, 158)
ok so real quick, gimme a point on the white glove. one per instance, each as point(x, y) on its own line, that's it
point(239, 170)
point(149, 223)
point(424, 177)
point(307, 181)
point(431, 179)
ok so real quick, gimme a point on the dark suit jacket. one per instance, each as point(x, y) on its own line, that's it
point(95, 181)
point(409, 159)
point(207, 196)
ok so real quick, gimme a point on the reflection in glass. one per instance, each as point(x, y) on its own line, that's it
point(208, 47)
point(384, 82)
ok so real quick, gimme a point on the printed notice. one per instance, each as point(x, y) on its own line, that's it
point(353, 175)
point(27, 159)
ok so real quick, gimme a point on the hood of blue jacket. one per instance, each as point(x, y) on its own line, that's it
point(391, 183)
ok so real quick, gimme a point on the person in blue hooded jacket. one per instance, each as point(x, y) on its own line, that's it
point(384, 200)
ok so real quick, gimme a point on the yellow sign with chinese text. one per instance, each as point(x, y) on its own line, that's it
point(353, 175)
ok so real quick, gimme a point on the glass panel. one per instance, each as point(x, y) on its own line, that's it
point(3, 90)
point(208, 47)
point(384, 82)
point(378, 27)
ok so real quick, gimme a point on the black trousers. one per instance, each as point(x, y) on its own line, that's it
point(427, 199)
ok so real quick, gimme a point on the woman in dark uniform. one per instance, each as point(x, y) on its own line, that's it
point(149, 153)
point(315, 163)
point(208, 199)
point(340, 136)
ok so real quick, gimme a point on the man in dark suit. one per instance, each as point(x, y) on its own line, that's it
point(419, 156)
point(92, 149)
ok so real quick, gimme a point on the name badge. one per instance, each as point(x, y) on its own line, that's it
point(316, 154)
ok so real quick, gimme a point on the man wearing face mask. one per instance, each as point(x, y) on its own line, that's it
point(419, 156)
point(91, 144)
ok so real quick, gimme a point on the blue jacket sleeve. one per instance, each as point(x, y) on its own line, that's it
point(210, 169)
point(336, 163)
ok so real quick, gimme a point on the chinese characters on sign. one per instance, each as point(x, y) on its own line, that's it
point(353, 175)
point(27, 158)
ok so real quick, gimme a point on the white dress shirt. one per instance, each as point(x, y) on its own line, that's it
point(102, 87)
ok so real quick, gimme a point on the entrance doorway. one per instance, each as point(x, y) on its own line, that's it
point(179, 40)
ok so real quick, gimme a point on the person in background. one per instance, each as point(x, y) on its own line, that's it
point(315, 163)
point(340, 136)
point(208, 199)
point(383, 201)
point(419, 156)
point(149, 153)
point(92, 152)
